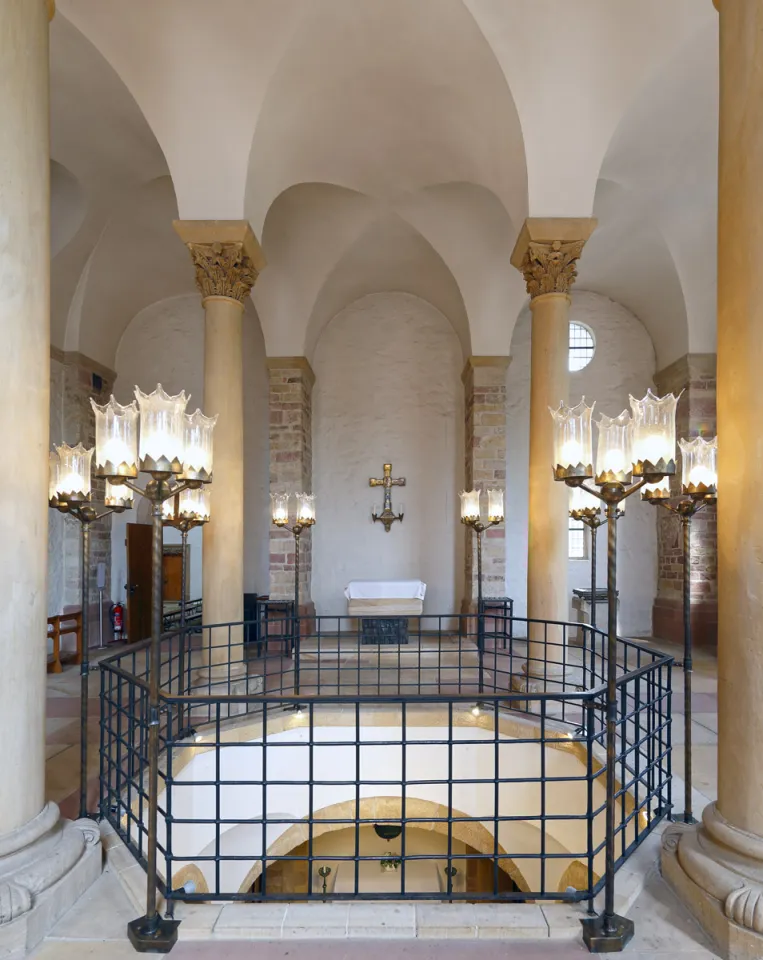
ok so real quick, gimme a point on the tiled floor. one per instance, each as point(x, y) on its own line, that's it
point(96, 926)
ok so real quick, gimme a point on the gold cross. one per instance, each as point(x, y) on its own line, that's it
point(387, 516)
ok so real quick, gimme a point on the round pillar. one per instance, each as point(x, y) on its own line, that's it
point(223, 544)
point(25, 402)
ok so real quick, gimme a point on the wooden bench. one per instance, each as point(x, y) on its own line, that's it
point(60, 626)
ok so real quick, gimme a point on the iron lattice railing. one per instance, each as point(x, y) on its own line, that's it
point(466, 763)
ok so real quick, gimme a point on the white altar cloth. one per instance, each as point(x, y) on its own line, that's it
point(385, 590)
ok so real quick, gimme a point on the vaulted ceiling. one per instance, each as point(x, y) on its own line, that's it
point(383, 145)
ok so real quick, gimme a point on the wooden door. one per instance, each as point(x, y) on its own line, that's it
point(138, 581)
point(172, 577)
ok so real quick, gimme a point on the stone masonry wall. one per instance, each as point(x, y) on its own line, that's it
point(485, 466)
point(695, 416)
point(75, 379)
point(291, 382)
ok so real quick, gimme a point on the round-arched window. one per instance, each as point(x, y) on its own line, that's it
point(582, 346)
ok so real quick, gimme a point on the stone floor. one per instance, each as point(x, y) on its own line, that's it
point(96, 926)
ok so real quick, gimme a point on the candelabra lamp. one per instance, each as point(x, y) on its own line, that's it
point(184, 512)
point(304, 520)
point(699, 482)
point(586, 509)
point(633, 450)
point(471, 517)
point(168, 445)
point(69, 492)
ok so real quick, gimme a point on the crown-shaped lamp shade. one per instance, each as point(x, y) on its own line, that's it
point(583, 504)
point(306, 508)
point(162, 431)
point(54, 466)
point(169, 512)
point(197, 452)
point(654, 435)
point(73, 484)
point(573, 444)
point(700, 469)
point(613, 454)
point(279, 508)
point(656, 491)
point(495, 510)
point(470, 505)
point(194, 505)
point(117, 496)
point(116, 439)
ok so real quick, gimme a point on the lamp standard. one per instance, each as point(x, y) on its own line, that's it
point(585, 508)
point(185, 511)
point(304, 520)
point(632, 452)
point(170, 445)
point(471, 517)
point(699, 483)
point(69, 492)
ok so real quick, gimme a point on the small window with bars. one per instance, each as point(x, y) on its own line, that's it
point(577, 540)
point(582, 346)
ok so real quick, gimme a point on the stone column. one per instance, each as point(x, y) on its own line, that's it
point(227, 259)
point(36, 848)
point(484, 381)
point(291, 470)
point(546, 253)
point(694, 374)
point(717, 867)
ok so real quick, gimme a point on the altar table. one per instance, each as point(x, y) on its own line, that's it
point(385, 598)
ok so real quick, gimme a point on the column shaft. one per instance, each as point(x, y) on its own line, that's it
point(223, 537)
point(740, 414)
point(24, 402)
point(547, 538)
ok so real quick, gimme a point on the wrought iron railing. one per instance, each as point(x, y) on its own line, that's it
point(476, 755)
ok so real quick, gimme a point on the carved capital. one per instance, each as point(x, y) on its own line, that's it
point(551, 267)
point(223, 270)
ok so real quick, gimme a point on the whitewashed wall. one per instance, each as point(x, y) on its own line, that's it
point(623, 363)
point(388, 389)
point(165, 344)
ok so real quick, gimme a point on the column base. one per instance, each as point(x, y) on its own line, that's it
point(717, 871)
point(45, 867)
point(557, 679)
point(226, 680)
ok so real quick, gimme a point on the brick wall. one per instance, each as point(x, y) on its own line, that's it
point(485, 466)
point(291, 467)
point(695, 416)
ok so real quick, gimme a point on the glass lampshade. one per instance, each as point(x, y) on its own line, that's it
point(654, 434)
point(168, 509)
point(700, 470)
point(116, 439)
point(306, 508)
point(495, 511)
point(73, 484)
point(279, 508)
point(117, 495)
point(194, 505)
point(613, 454)
point(54, 465)
point(470, 504)
point(197, 453)
point(656, 491)
point(573, 445)
point(583, 504)
point(162, 430)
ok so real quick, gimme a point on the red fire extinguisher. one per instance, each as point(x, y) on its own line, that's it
point(117, 617)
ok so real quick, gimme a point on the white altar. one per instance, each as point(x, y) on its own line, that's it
point(385, 598)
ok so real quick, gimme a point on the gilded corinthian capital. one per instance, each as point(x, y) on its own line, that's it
point(551, 267)
point(547, 251)
point(223, 270)
point(225, 254)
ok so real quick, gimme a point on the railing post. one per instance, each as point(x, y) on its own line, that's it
point(608, 932)
point(480, 616)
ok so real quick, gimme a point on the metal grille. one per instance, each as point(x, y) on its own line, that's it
point(424, 740)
